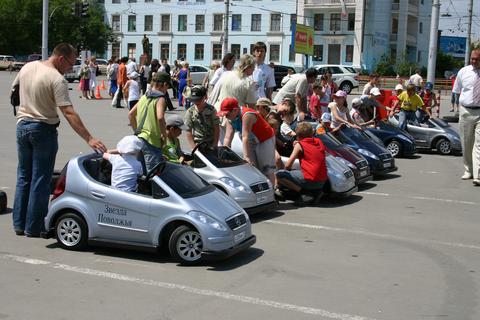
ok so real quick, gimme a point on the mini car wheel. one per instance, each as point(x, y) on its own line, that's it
point(71, 232)
point(186, 245)
point(395, 148)
point(443, 146)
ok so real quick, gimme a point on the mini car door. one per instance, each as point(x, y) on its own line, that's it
point(422, 135)
point(120, 215)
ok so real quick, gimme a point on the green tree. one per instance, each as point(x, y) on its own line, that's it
point(446, 62)
point(21, 33)
point(385, 66)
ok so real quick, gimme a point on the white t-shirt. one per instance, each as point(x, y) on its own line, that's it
point(297, 84)
point(242, 89)
point(131, 66)
point(264, 77)
point(217, 76)
point(416, 80)
point(466, 85)
point(285, 129)
point(133, 91)
point(125, 171)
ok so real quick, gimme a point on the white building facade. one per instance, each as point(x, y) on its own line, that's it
point(194, 29)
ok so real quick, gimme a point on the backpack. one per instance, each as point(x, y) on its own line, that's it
point(15, 98)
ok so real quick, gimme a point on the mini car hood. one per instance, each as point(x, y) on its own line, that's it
point(215, 203)
point(244, 173)
point(369, 144)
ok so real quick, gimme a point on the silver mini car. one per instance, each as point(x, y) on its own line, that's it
point(173, 207)
point(231, 174)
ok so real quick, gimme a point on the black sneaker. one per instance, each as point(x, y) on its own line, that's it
point(19, 232)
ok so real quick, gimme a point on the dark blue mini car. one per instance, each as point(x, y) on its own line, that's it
point(400, 143)
point(379, 158)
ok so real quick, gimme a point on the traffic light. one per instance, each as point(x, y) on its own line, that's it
point(85, 6)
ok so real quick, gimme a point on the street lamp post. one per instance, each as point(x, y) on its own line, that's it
point(45, 30)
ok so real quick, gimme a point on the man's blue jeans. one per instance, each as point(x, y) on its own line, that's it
point(37, 146)
point(405, 115)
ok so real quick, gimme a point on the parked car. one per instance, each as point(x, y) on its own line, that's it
point(173, 207)
point(341, 181)
point(102, 66)
point(279, 72)
point(74, 73)
point(34, 57)
point(355, 161)
point(433, 134)
point(379, 159)
point(197, 73)
point(10, 63)
point(400, 143)
point(224, 169)
point(346, 77)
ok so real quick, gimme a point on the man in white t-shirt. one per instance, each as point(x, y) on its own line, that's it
point(296, 89)
point(132, 66)
point(417, 80)
point(263, 75)
point(43, 91)
point(228, 62)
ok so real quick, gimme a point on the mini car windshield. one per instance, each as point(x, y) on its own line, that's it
point(184, 181)
point(222, 157)
point(329, 140)
point(359, 134)
point(439, 122)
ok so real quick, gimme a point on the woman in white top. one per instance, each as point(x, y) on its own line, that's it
point(92, 65)
point(131, 90)
point(340, 112)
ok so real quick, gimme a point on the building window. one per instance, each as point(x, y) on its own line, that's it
point(116, 50)
point(182, 22)
point(274, 52)
point(132, 23)
point(236, 22)
point(419, 56)
point(148, 23)
point(275, 22)
point(115, 1)
point(335, 22)
point(351, 22)
point(256, 24)
point(199, 23)
point(318, 22)
point(182, 51)
point(217, 51)
point(148, 0)
point(165, 0)
point(349, 53)
point(394, 26)
point(420, 27)
point(132, 50)
point(235, 49)
point(165, 51)
point(165, 22)
point(199, 51)
point(317, 52)
point(218, 22)
point(116, 23)
point(291, 54)
point(132, 1)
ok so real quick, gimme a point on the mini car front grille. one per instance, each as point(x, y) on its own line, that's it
point(385, 156)
point(348, 173)
point(362, 164)
point(236, 221)
point(259, 187)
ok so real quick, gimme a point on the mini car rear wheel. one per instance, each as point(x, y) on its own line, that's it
point(186, 245)
point(71, 232)
point(443, 146)
point(395, 148)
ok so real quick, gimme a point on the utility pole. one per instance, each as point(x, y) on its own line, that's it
point(432, 52)
point(45, 30)
point(225, 29)
point(469, 33)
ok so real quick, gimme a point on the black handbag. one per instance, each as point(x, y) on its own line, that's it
point(15, 98)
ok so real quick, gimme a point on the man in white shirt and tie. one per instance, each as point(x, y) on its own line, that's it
point(468, 86)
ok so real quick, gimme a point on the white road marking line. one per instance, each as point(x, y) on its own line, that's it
point(197, 291)
point(373, 234)
point(4, 188)
point(121, 262)
point(419, 198)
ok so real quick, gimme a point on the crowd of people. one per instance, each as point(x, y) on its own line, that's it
point(232, 101)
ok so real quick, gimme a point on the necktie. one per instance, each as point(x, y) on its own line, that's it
point(476, 88)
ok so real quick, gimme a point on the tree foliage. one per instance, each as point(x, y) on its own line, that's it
point(21, 31)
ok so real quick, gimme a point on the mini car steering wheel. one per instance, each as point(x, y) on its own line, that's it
point(158, 167)
point(203, 144)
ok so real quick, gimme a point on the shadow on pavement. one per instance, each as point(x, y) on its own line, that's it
point(386, 177)
point(332, 202)
point(366, 186)
point(270, 215)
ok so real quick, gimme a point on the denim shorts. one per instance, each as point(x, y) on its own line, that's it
point(296, 176)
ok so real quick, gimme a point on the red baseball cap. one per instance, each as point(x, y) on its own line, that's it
point(228, 105)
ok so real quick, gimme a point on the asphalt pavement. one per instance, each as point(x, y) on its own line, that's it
point(404, 247)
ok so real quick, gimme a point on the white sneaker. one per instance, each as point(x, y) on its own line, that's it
point(467, 176)
point(476, 182)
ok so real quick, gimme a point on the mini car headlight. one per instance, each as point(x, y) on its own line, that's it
point(234, 184)
point(347, 163)
point(367, 154)
point(206, 219)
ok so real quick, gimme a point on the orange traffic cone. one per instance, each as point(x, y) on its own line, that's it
point(97, 93)
point(102, 86)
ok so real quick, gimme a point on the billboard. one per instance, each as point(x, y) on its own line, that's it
point(302, 39)
point(454, 46)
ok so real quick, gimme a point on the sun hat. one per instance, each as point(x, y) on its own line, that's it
point(326, 117)
point(375, 92)
point(398, 87)
point(356, 102)
point(340, 94)
point(228, 105)
point(134, 75)
point(129, 144)
point(264, 102)
point(175, 120)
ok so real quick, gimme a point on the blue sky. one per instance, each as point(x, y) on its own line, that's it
point(456, 24)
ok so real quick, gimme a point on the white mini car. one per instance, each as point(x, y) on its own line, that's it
point(231, 174)
point(173, 207)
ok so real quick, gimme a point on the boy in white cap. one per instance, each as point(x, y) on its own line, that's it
point(131, 90)
point(125, 167)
